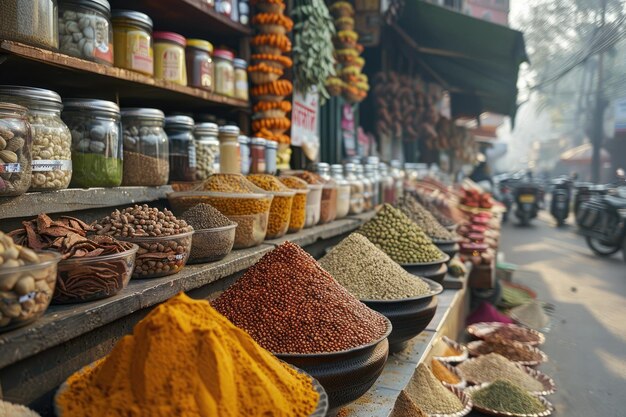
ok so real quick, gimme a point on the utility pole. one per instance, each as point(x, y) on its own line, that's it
point(598, 119)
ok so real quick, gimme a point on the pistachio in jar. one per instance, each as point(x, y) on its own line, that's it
point(15, 147)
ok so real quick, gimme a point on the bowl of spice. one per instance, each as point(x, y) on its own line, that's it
point(280, 210)
point(299, 207)
point(453, 351)
point(164, 241)
point(447, 374)
point(214, 233)
point(314, 197)
point(502, 398)
point(514, 351)
point(294, 308)
point(497, 332)
point(328, 198)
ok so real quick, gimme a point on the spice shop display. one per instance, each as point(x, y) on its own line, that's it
point(444, 374)
point(400, 238)
point(169, 57)
point(51, 152)
point(164, 241)
point(224, 72)
point(299, 207)
point(15, 150)
point(27, 281)
point(357, 201)
point(431, 396)
point(214, 233)
point(146, 147)
point(241, 79)
point(370, 171)
point(200, 68)
point(425, 220)
point(328, 199)
point(272, 23)
point(288, 304)
point(16, 410)
point(280, 210)
point(189, 331)
point(85, 30)
point(33, 22)
point(207, 149)
point(513, 351)
point(406, 407)
point(132, 41)
point(96, 142)
point(230, 157)
point(504, 398)
point(182, 148)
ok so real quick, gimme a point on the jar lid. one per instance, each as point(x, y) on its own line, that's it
point(270, 144)
point(229, 130)
point(243, 140)
point(90, 104)
point(224, 54)
point(146, 113)
point(349, 167)
point(240, 63)
point(36, 95)
point(141, 18)
point(322, 165)
point(179, 120)
point(200, 44)
point(258, 141)
point(170, 36)
point(336, 168)
point(207, 128)
point(102, 6)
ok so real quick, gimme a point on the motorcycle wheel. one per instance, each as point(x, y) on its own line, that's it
point(600, 248)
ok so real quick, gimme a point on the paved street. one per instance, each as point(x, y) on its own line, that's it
point(587, 342)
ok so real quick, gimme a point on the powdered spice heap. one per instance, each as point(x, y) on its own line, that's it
point(185, 359)
point(430, 394)
point(289, 304)
point(492, 367)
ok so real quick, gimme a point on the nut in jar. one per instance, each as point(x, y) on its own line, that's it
point(85, 30)
point(15, 147)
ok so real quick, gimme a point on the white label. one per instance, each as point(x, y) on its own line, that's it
point(47, 165)
point(12, 168)
point(304, 118)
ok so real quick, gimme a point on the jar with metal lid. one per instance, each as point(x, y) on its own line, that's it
point(244, 151)
point(271, 157)
point(30, 21)
point(357, 202)
point(224, 7)
point(207, 149)
point(85, 30)
point(169, 57)
point(244, 12)
point(179, 131)
point(371, 173)
point(96, 142)
point(200, 71)
point(15, 147)
point(230, 158)
point(343, 190)
point(146, 148)
point(257, 153)
point(368, 188)
point(52, 143)
point(224, 72)
point(387, 184)
point(241, 79)
point(132, 41)
point(398, 178)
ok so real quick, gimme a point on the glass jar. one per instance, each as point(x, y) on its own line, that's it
point(230, 158)
point(179, 131)
point(244, 151)
point(224, 7)
point(96, 142)
point(52, 143)
point(224, 72)
point(15, 147)
point(30, 21)
point(387, 184)
point(368, 188)
point(244, 12)
point(200, 71)
point(330, 194)
point(371, 173)
point(85, 30)
point(169, 57)
point(132, 41)
point(146, 149)
point(343, 191)
point(207, 149)
point(257, 154)
point(241, 79)
point(271, 157)
point(398, 178)
point(357, 202)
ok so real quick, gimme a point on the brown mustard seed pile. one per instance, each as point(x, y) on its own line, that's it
point(425, 219)
point(138, 221)
point(205, 216)
point(289, 304)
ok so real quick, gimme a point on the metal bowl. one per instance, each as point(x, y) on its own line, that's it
point(409, 316)
point(483, 329)
point(450, 248)
point(435, 271)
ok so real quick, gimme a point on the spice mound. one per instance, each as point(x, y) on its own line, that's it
point(430, 394)
point(400, 238)
point(492, 367)
point(185, 359)
point(425, 219)
point(368, 273)
point(139, 221)
point(289, 304)
point(506, 334)
point(504, 397)
point(15, 410)
point(442, 373)
point(406, 407)
point(515, 352)
point(205, 216)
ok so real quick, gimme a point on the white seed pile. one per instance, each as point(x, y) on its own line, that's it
point(368, 273)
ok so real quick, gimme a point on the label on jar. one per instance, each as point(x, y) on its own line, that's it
point(206, 75)
point(139, 52)
point(10, 168)
point(103, 47)
point(171, 60)
point(47, 165)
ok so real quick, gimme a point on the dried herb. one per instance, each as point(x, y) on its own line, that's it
point(505, 397)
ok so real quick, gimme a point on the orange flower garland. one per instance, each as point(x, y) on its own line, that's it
point(273, 19)
point(277, 61)
point(277, 88)
point(262, 106)
point(275, 125)
point(281, 42)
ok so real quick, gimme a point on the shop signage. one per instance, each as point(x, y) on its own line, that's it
point(304, 119)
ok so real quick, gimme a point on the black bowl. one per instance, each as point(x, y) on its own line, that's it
point(450, 248)
point(409, 317)
point(432, 270)
point(346, 375)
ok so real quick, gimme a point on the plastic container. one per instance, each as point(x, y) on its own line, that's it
point(387, 182)
point(271, 157)
point(207, 149)
point(314, 198)
point(15, 150)
point(257, 154)
point(132, 41)
point(85, 279)
point(160, 256)
point(371, 173)
point(27, 291)
point(183, 164)
point(280, 210)
point(30, 21)
point(244, 152)
point(51, 152)
point(200, 71)
point(230, 158)
point(169, 57)
point(85, 30)
point(357, 200)
point(96, 142)
point(224, 72)
point(297, 219)
point(241, 79)
point(146, 148)
point(211, 245)
point(368, 188)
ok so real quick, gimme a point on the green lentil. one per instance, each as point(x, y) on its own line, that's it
point(424, 219)
point(505, 397)
point(430, 394)
point(493, 367)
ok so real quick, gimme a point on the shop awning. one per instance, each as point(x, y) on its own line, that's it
point(477, 61)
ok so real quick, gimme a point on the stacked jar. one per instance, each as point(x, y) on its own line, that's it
point(169, 57)
point(96, 142)
point(357, 199)
point(371, 173)
point(398, 177)
point(230, 158)
point(51, 151)
point(200, 71)
point(368, 187)
point(271, 156)
point(343, 191)
point(179, 131)
point(387, 184)
point(207, 149)
point(132, 39)
point(244, 151)
point(15, 148)
point(33, 22)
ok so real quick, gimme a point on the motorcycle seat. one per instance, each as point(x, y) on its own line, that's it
point(617, 202)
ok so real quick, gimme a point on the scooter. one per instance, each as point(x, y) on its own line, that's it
point(603, 223)
point(527, 199)
point(504, 194)
point(561, 196)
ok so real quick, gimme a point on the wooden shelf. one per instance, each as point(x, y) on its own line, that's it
point(74, 77)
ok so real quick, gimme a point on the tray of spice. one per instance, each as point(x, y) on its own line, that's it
point(514, 351)
point(447, 374)
point(505, 332)
point(454, 352)
point(502, 398)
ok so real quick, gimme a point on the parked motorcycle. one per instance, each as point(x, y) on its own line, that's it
point(527, 200)
point(503, 192)
point(561, 196)
point(585, 191)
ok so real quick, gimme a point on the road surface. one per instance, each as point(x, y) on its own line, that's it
point(587, 340)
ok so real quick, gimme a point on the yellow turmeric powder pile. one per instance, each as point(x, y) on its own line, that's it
point(187, 360)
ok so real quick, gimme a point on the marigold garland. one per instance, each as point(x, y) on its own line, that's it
point(262, 106)
point(281, 123)
point(276, 88)
point(255, 2)
point(284, 61)
point(264, 68)
point(273, 19)
point(279, 41)
point(342, 7)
